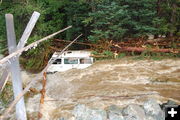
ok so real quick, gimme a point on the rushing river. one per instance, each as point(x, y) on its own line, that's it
point(120, 82)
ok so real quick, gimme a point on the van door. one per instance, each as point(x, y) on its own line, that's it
point(55, 66)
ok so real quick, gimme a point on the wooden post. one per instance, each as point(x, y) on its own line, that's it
point(28, 30)
point(15, 68)
point(21, 44)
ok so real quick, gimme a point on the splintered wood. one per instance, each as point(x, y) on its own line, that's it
point(43, 92)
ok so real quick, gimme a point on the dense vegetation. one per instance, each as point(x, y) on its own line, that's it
point(97, 20)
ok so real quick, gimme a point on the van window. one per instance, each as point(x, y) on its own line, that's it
point(57, 61)
point(85, 61)
point(71, 61)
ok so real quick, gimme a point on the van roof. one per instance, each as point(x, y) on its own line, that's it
point(78, 53)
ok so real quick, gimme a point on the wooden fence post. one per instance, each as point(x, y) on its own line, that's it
point(28, 30)
point(15, 68)
point(21, 44)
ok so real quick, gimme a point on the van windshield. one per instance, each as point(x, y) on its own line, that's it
point(71, 61)
point(57, 61)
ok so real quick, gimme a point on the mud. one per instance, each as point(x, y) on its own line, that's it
point(120, 82)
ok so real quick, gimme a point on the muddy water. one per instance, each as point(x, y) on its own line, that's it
point(120, 82)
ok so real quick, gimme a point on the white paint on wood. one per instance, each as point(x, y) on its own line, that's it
point(28, 30)
point(15, 68)
point(21, 44)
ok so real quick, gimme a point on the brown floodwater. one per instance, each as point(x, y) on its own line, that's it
point(120, 82)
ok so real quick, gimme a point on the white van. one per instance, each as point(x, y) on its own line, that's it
point(69, 60)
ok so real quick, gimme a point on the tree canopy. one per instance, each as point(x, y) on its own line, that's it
point(96, 19)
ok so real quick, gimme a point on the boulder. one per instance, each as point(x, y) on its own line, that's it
point(134, 112)
point(150, 118)
point(152, 108)
point(169, 102)
point(114, 113)
point(62, 118)
point(81, 112)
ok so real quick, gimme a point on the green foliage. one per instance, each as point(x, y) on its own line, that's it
point(6, 96)
point(121, 55)
point(76, 12)
point(94, 53)
point(123, 18)
point(48, 23)
point(108, 21)
point(96, 19)
point(169, 14)
point(108, 53)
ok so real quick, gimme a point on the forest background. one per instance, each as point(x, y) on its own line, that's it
point(98, 20)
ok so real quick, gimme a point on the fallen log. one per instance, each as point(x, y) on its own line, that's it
point(81, 43)
point(141, 49)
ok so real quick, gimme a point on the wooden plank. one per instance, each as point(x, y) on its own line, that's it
point(21, 44)
point(15, 68)
point(28, 30)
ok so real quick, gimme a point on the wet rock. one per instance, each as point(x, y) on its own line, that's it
point(25, 77)
point(134, 112)
point(114, 109)
point(150, 118)
point(114, 116)
point(114, 113)
point(152, 108)
point(168, 103)
point(62, 118)
point(81, 112)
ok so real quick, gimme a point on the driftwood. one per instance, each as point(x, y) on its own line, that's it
point(141, 49)
point(129, 46)
point(80, 43)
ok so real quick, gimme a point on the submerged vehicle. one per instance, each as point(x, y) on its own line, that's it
point(69, 60)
